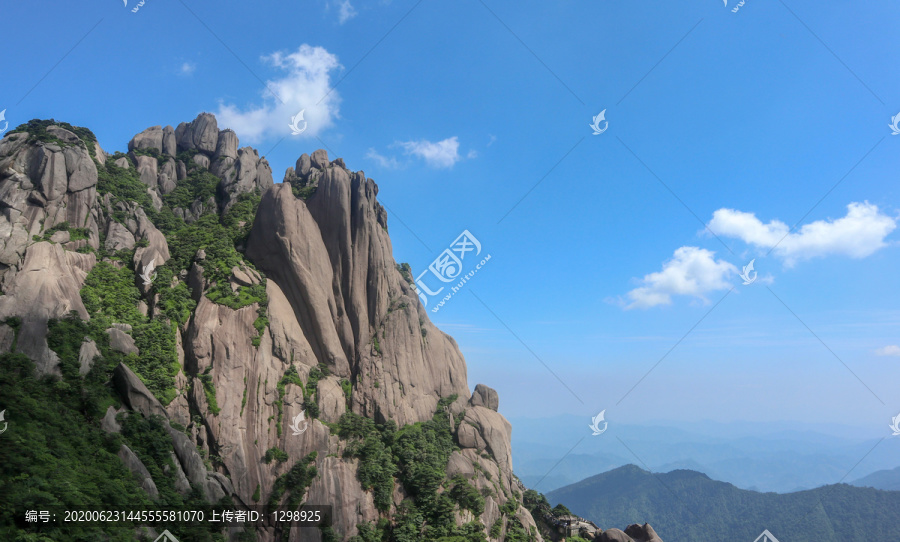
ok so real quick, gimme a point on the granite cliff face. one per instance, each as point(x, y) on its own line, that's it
point(316, 318)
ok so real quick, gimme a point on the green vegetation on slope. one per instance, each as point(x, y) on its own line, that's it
point(416, 455)
point(110, 296)
point(125, 186)
point(218, 242)
point(200, 184)
point(55, 457)
point(37, 131)
point(294, 482)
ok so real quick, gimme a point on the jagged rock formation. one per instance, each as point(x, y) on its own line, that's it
point(321, 319)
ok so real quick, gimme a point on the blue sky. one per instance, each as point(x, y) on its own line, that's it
point(742, 122)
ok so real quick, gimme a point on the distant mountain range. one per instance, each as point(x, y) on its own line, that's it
point(884, 479)
point(782, 457)
point(688, 505)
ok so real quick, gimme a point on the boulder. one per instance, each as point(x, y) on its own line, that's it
point(121, 341)
point(48, 167)
point(147, 168)
point(642, 533)
point(182, 485)
point(100, 154)
point(61, 237)
point(118, 237)
point(303, 165)
point(169, 144)
point(248, 173)
point(201, 134)
point(65, 135)
point(241, 277)
point(201, 160)
point(485, 397)
point(196, 281)
point(155, 200)
point(167, 177)
point(139, 471)
point(213, 485)
point(80, 169)
point(86, 356)
point(319, 159)
point(614, 535)
point(485, 430)
point(135, 393)
point(151, 138)
point(227, 145)
point(109, 422)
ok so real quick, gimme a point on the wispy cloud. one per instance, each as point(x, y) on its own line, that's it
point(437, 154)
point(305, 85)
point(857, 235)
point(692, 271)
point(440, 154)
point(383, 161)
point(187, 68)
point(346, 11)
point(890, 350)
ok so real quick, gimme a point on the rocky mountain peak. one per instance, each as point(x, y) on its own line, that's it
point(237, 310)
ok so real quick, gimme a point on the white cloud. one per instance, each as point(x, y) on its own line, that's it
point(692, 271)
point(346, 11)
point(442, 154)
point(383, 161)
point(306, 83)
point(890, 350)
point(857, 235)
point(187, 68)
